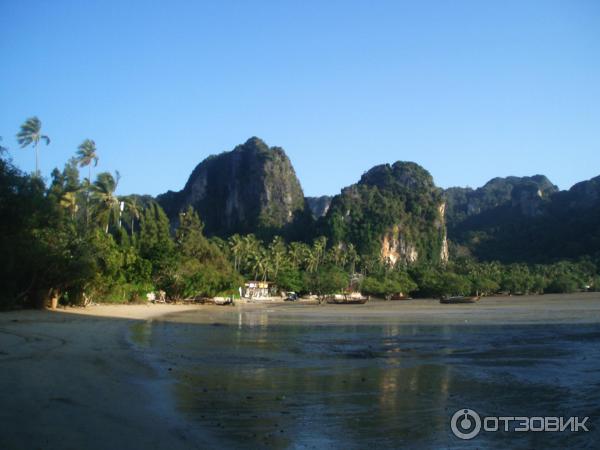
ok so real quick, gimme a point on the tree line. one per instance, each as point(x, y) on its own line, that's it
point(75, 239)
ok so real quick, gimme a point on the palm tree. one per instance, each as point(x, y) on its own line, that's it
point(31, 134)
point(134, 211)
point(297, 253)
point(86, 154)
point(107, 204)
point(277, 251)
point(236, 245)
point(315, 256)
point(68, 200)
point(312, 261)
point(251, 248)
point(261, 264)
point(337, 255)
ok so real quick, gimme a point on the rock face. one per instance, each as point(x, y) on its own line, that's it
point(395, 212)
point(318, 206)
point(529, 199)
point(463, 203)
point(395, 249)
point(526, 219)
point(585, 194)
point(251, 189)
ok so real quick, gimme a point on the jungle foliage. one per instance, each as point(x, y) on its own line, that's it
point(78, 240)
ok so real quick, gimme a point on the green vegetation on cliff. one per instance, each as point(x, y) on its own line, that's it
point(77, 240)
point(397, 203)
point(530, 222)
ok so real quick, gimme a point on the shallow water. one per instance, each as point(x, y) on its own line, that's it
point(258, 384)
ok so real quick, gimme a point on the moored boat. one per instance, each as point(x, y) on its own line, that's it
point(346, 300)
point(458, 299)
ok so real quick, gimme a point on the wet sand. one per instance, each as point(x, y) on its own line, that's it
point(71, 380)
point(384, 375)
point(99, 377)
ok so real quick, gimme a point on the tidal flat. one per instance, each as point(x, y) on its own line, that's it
point(384, 374)
point(380, 375)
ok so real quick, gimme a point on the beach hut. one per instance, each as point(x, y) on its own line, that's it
point(259, 289)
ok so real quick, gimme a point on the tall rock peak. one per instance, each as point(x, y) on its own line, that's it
point(251, 189)
point(395, 212)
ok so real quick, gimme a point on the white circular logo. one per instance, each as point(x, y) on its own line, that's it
point(465, 424)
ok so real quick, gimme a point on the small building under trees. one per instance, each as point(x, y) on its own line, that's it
point(258, 290)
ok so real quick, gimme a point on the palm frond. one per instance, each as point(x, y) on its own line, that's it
point(86, 153)
point(30, 132)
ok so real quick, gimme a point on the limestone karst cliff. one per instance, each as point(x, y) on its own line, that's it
point(251, 189)
point(318, 206)
point(525, 193)
point(394, 212)
point(525, 219)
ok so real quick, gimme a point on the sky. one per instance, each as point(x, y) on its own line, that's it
point(470, 90)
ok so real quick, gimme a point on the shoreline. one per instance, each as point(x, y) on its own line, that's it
point(519, 310)
point(72, 379)
point(85, 377)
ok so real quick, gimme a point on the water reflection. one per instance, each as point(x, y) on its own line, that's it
point(140, 333)
point(383, 386)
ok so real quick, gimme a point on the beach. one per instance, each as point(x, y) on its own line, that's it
point(70, 380)
point(145, 376)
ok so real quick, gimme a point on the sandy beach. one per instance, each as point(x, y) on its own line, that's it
point(73, 379)
point(70, 380)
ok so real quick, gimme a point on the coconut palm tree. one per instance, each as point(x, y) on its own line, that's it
point(236, 245)
point(297, 253)
point(31, 134)
point(316, 254)
point(106, 204)
point(134, 211)
point(337, 255)
point(86, 154)
point(261, 264)
point(251, 248)
point(276, 255)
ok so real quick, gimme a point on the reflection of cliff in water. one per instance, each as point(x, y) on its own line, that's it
point(386, 386)
point(303, 385)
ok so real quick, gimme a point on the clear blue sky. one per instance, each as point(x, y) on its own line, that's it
point(469, 90)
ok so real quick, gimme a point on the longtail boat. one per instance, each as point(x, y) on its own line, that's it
point(458, 299)
point(347, 300)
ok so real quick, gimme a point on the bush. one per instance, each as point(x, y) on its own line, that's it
point(563, 284)
point(327, 280)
